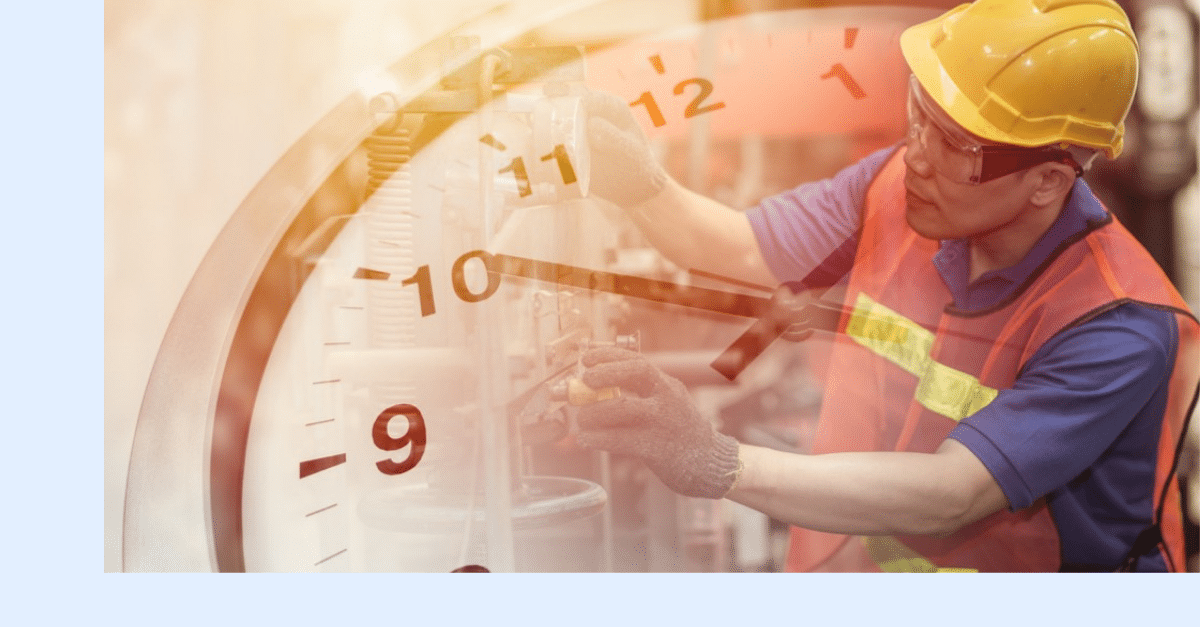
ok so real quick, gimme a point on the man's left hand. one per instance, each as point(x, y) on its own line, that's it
point(655, 420)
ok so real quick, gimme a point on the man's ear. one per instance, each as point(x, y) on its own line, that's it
point(1051, 182)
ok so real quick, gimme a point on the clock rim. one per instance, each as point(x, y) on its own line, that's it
point(169, 523)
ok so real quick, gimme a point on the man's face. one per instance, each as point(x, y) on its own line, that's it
point(942, 161)
point(939, 208)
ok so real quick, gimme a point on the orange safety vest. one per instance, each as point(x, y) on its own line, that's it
point(905, 367)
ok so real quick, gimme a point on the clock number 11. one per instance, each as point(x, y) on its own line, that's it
point(517, 167)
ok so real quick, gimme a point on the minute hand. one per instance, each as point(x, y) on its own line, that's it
point(787, 310)
point(731, 303)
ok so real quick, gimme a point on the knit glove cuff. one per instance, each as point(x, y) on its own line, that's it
point(712, 477)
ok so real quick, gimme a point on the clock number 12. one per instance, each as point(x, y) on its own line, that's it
point(694, 107)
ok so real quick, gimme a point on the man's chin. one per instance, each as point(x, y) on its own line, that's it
point(913, 215)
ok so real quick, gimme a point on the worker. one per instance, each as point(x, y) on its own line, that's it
point(1013, 372)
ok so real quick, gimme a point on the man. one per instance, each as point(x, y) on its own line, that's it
point(1013, 374)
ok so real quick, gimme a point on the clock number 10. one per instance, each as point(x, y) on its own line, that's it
point(458, 275)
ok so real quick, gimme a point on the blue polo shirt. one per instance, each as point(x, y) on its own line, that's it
point(1080, 425)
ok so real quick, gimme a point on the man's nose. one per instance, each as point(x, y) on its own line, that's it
point(914, 158)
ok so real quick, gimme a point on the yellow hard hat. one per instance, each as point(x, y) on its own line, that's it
point(1030, 72)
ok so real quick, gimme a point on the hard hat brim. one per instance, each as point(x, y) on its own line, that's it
point(916, 45)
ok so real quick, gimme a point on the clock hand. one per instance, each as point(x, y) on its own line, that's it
point(794, 316)
point(790, 312)
point(706, 299)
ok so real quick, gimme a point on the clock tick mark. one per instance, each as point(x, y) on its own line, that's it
point(319, 422)
point(323, 509)
point(851, 35)
point(327, 381)
point(371, 275)
point(311, 467)
point(330, 557)
point(657, 62)
point(337, 343)
point(492, 141)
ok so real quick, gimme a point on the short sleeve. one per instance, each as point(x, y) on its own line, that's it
point(1087, 402)
point(799, 229)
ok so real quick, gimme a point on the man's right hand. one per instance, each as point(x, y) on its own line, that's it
point(623, 169)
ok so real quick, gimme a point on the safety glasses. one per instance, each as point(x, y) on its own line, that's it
point(959, 156)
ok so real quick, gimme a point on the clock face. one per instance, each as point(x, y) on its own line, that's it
point(372, 370)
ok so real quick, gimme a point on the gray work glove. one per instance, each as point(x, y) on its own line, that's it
point(654, 419)
point(623, 169)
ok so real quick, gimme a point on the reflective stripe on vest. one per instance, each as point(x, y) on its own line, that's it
point(893, 557)
point(942, 389)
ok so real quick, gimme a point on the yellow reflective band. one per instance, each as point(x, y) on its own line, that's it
point(952, 393)
point(892, 556)
point(887, 333)
point(942, 389)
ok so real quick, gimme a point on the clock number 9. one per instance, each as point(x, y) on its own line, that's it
point(414, 435)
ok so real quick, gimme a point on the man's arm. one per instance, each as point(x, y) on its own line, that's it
point(699, 233)
point(871, 493)
point(854, 493)
point(799, 228)
point(693, 231)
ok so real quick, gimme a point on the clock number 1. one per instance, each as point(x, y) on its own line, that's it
point(647, 100)
point(414, 435)
point(840, 72)
point(517, 167)
point(424, 289)
point(564, 163)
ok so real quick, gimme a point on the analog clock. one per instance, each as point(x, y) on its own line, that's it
point(374, 368)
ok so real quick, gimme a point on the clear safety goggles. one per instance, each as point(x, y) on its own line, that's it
point(961, 157)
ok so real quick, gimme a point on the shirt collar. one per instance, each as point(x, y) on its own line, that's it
point(953, 259)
